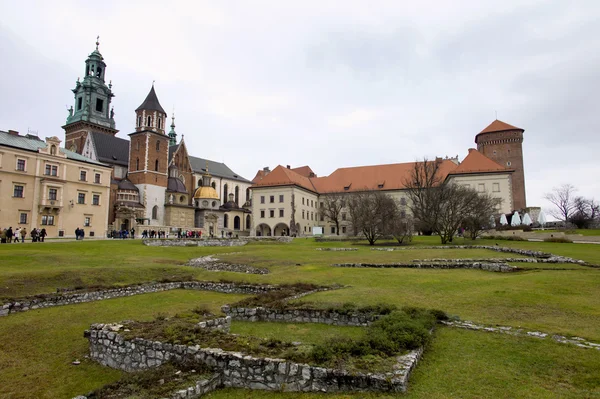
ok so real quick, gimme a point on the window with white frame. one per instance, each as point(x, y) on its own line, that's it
point(87, 221)
point(23, 218)
point(81, 198)
point(97, 178)
point(82, 175)
point(21, 163)
point(47, 220)
point(52, 194)
point(496, 187)
point(18, 190)
point(51, 170)
point(96, 199)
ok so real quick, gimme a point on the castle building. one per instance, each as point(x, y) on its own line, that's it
point(288, 200)
point(155, 183)
point(504, 144)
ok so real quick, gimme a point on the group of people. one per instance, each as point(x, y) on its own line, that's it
point(79, 234)
point(122, 234)
point(189, 234)
point(154, 234)
point(9, 235)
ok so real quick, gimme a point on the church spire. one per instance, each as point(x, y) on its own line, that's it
point(172, 134)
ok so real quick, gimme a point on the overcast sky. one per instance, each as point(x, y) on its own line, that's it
point(325, 83)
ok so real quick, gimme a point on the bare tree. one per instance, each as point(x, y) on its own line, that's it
point(423, 186)
point(293, 231)
point(372, 214)
point(477, 218)
point(563, 200)
point(402, 228)
point(330, 209)
point(585, 212)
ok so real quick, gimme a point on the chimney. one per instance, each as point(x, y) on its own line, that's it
point(471, 150)
point(288, 166)
point(13, 132)
point(266, 169)
point(312, 174)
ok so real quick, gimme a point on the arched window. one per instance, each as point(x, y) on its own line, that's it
point(137, 142)
point(236, 223)
point(159, 122)
point(248, 222)
point(99, 72)
point(156, 166)
point(53, 150)
point(237, 195)
point(157, 145)
point(199, 182)
point(225, 189)
point(214, 185)
point(248, 194)
point(137, 164)
point(149, 121)
point(155, 212)
point(226, 221)
point(139, 125)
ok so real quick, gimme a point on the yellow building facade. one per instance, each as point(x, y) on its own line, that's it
point(45, 186)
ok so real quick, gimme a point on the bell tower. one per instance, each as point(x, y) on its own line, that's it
point(91, 111)
point(503, 143)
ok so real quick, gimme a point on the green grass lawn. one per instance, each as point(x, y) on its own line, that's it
point(37, 347)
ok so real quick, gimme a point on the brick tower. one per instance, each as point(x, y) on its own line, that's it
point(92, 111)
point(149, 156)
point(504, 144)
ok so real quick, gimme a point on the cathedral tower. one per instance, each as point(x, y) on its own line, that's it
point(149, 156)
point(92, 111)
point(504, 144)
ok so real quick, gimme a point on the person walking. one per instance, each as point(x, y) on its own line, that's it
point(17, 234)
point(34, 235)
point(23, 234)
point(132, 233)
point(9, 235)
point(43, 234)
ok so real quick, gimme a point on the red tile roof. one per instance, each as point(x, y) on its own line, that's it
point(476, 162)
point(499, 126)
point(305, 171)
point(259, 176)
point(282, 176)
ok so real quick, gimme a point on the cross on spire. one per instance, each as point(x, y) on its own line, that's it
point(97, 42)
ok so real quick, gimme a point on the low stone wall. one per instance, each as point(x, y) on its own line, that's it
point(486, 266)
point(548, 257)
point(156, 242)
point(211, 242)
point(200, 388)
point(45, 301)
point(300, 316)
point(337, 249)
point(213, 264)
point(242, 371)
point(221, 323)
point(577, 341)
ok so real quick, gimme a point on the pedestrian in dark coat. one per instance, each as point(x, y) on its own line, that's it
point(43, 234)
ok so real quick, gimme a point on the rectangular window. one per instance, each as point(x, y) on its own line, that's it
point(18, 191)
point(281, 198)
point(272, 199)
point(281, 213)
point(262, 199)
point(302, 200)
point(262, 214)
point(96, 199)
point(322, 217)
point(496, 187)
point(21, 165)
point(271, 213)
point(47, 220)
point(51, 170)
point(311, 203)
point(79, 103)
point(344, 229)
point(52, 194)
point(23, 218)
point(302, 214)
point(343, 216)
point(99, 105)
point(97, 178)
point(321, 205)
point(81, 198)
point(332, 229)
point(83, 175)
point(87, 222)
point(481, 187)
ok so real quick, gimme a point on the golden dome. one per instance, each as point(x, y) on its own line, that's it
point(206, 192)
